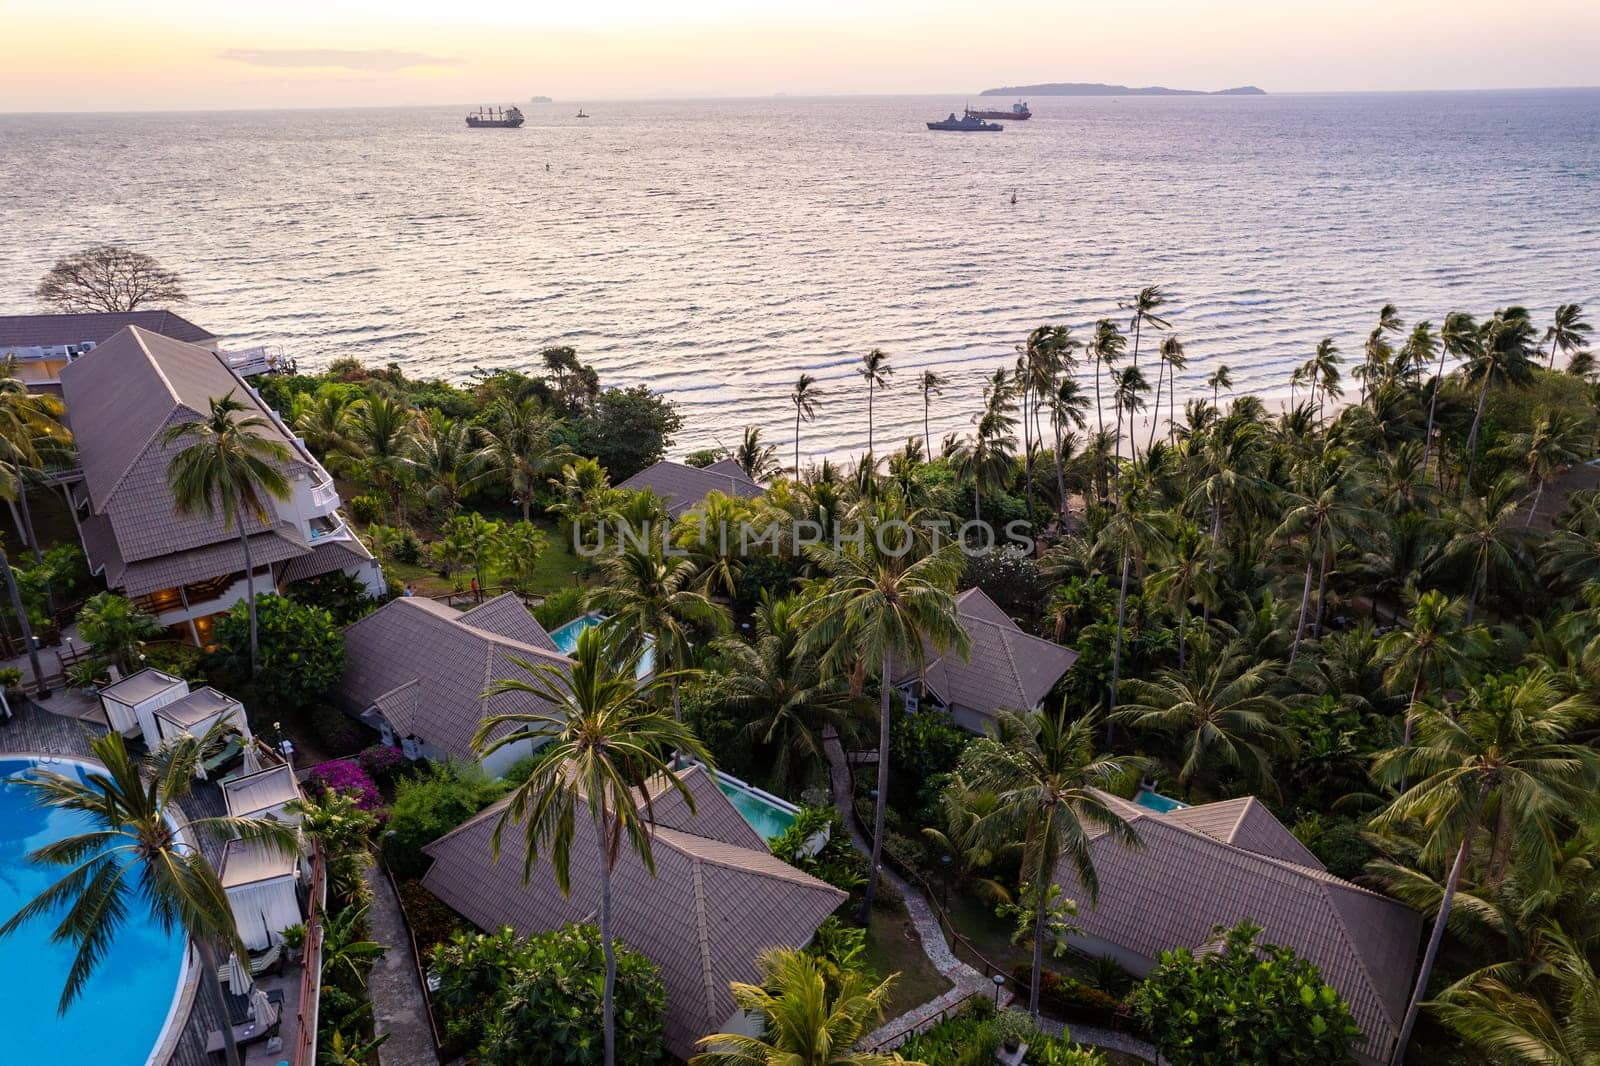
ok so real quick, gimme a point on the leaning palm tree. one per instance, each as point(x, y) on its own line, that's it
point(1219, 379)
point(520, 451)
point(804, 398)
point(1503, 356)
point(1551, 444)
point(1144, 306)
point(880, 605)
point(132, 856)
point(1458, 338)
point(1434, 648)
point(1568, 332)
point(758, 461)
point(601, 741)
point(933, 384)
point(1508, 757)
point(234, 468)
point(1173, 360)
point(811, 1015)
point(876, 371)
point(1045, 772)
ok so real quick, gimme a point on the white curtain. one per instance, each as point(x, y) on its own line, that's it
point(265, 909)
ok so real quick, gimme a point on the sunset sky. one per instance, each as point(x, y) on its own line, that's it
point(93, 55)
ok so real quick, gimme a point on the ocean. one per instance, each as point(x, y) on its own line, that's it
point(717, 249)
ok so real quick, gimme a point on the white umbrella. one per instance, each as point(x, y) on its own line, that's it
point(236, 974)
point(252, 761)
point(264, 1011)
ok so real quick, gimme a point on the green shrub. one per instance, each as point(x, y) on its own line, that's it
point(301, 651)
point(561, 606)
point(366, 509)
point(407, 548)
point(116, 629)
point(336, 732)
point(923, 748)
point(429, 805)
point(838, 863)
point(179, 660)
point(10, 677)
point(342, 595)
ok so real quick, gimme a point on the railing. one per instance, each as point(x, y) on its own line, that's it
point(326, 494)
point(470, 598)
point(900, 1036)
point(305, 1049)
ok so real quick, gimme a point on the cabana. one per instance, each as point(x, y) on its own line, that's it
point(131, 703)
point(263, 887)
point(263, 794)
point(194, 714)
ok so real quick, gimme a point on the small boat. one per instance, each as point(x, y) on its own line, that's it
point(1019, 112)
point(495, 119)
point(966, 124)
point(581, 113)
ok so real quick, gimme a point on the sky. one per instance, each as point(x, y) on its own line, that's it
point(111, 55)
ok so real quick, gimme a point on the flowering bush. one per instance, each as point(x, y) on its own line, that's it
point(382, 764)
point(345, 776)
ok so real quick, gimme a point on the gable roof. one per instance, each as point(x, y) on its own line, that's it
point(711, 910)
point(682, 487)
point(1007, 669)
point(1220, 864)
point(506, 616)
point(249, 794)
point(424, 666)
point(49, 331)
point(326, 558)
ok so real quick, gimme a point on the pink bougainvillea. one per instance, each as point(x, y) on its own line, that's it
point(343, 775)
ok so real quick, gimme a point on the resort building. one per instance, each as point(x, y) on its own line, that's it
point(43, 345)
point(717, 900)
point(1006, 670)
point(683, 487)
point(186, 569)
point(415, 669)
point(1218, 864)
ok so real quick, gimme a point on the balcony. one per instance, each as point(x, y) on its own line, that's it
point(325, 528)
point(324, 496)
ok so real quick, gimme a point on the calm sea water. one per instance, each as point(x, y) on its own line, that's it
point(715, 250)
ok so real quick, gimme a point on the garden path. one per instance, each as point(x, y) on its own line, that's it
point(398, 1008)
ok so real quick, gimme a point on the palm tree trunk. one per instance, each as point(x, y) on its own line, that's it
point(249, 587)
point(927, 442)
point(1116, 651)
point(1172, 408)
point(797, 442)
point(213, 986)
point(1428, 958)
point(1061, 479)
point(33, 542)
point(23, 627)
point(608, 996)
point(869, 416)
point(1183, 629)
point(883, 790)
point(1322, 588)
point(1538, 494)
point(1155, 414)
point(1099, 413)
point(1305, 602)
point(1433, 406)
point(1041, 886)
point(1472, 438)
point(1027, 449)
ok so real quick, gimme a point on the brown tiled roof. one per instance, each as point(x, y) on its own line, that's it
point(325, 559)
point(46, 331)
point(711, 910)
point(1199, 868)
point(425, 667)
point(713, 816)
point(505, 615)
point(1006, 670)
point(683, 486)
point(212, 560)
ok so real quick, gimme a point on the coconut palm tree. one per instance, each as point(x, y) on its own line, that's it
point(444, 459)
point(1459, 338)
point(1187, 572)
point(1503, 356)
point(1377, 354)
point(1435, 646)
point(779, 687)
point(1107, 346)
point(132, 857)
point(29, 429)
point(1416, 354)
point(601, 740)
point(1220, 379)
point(1321, 517)
point(990, 459)
point(1505, 756)
point(888, 600)
point(1066, 403)
point(933, 384)
point(1551, 444)
point(1172, 361)
point(324, 421)
point(1045, 773)
point(758, 461)
point(1221, 710)
point(1133, 534)
point(520, 451)
point(1487, 540)
point(231, 467)
point(804, 398)
point(1324, 375)
point(1568, 332)
point(1128, 396)
point(876, 371)
point(811, 1014)
point(1144, 306)
point(381, 430)
point(647, 594)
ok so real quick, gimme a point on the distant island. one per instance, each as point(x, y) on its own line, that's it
point(541, 100)
point(1093, 88)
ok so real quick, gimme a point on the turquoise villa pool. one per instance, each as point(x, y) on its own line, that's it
point(766, 813)
point(1150, 799)
point(126, 1006)
point(566, 638)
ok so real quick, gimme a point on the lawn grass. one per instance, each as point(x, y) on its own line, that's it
point(894, 947)
point(558, 567)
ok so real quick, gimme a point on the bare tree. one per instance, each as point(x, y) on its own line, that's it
point(107, 277)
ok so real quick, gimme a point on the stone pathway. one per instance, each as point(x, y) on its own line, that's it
point(1109, 1039)
point(398, 1008)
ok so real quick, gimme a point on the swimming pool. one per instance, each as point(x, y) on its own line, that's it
point(1152, 800)
point(124, 1008)
point(566, 638)
point(767, 815)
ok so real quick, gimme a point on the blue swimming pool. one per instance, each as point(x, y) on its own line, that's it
point(119, 1018)
point(765, 817)
point(1155, 801)
point(566, 638)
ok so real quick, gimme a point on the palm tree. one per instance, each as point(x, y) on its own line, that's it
point(324, 422)
point(1144, 306)
point(132, 856)
point(1066, 403)
point(444, 459)
point(646, 595)
point(989, 460)
point(1172, 361)
point(231, 467)
point(933, 384)
point(1487, 539)
point(1220, 379)
point(1552, 443)
point(1324, 374)
point(1321, 518)
point(1502, 356)
point(602, 741)
point(758, 461)
point(520, 450)
point(876, 371)
point(1568, 332)
point(1133, 534)
point(1506, 757)
point(1107, 346)
point(804, 398)
point(780, 687)
point(812, 1015)
point(381, 430)
point(877, 606)
point(1436, 640)
point(1458, 337)
point(1129, 397)
point(29, 429)
point(1221, 708)
point(1188, 572)
point(1377, 352)
point(1045, 773)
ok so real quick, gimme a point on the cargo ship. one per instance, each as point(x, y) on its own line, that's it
point(1018, 113)
point(493, 118)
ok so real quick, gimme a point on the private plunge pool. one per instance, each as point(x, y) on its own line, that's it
point(127, 1006)
point(1150, 799)
point(566, 638)
point(766, 813)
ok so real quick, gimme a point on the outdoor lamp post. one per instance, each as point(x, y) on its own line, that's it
point(999, 979)
point(44, 686)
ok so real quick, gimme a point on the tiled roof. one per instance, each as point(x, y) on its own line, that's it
point(249, 794)
point(1006, 670)
point(713, 816)
point(425, 667)
point(506, 616)
point(711, 910)
point(1219, 864)
point(683, 486)
point(47, 331)
point(270, 546)
point(325, 559)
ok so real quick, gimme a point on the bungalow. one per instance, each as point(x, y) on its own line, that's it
point(684, 487)
point(415, 669)
point(186, 569)
point(1006, 670)
point(1217, 864)
point(717, 900)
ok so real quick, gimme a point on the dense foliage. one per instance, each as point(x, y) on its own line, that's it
point(429, 804)
point(301, 650)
